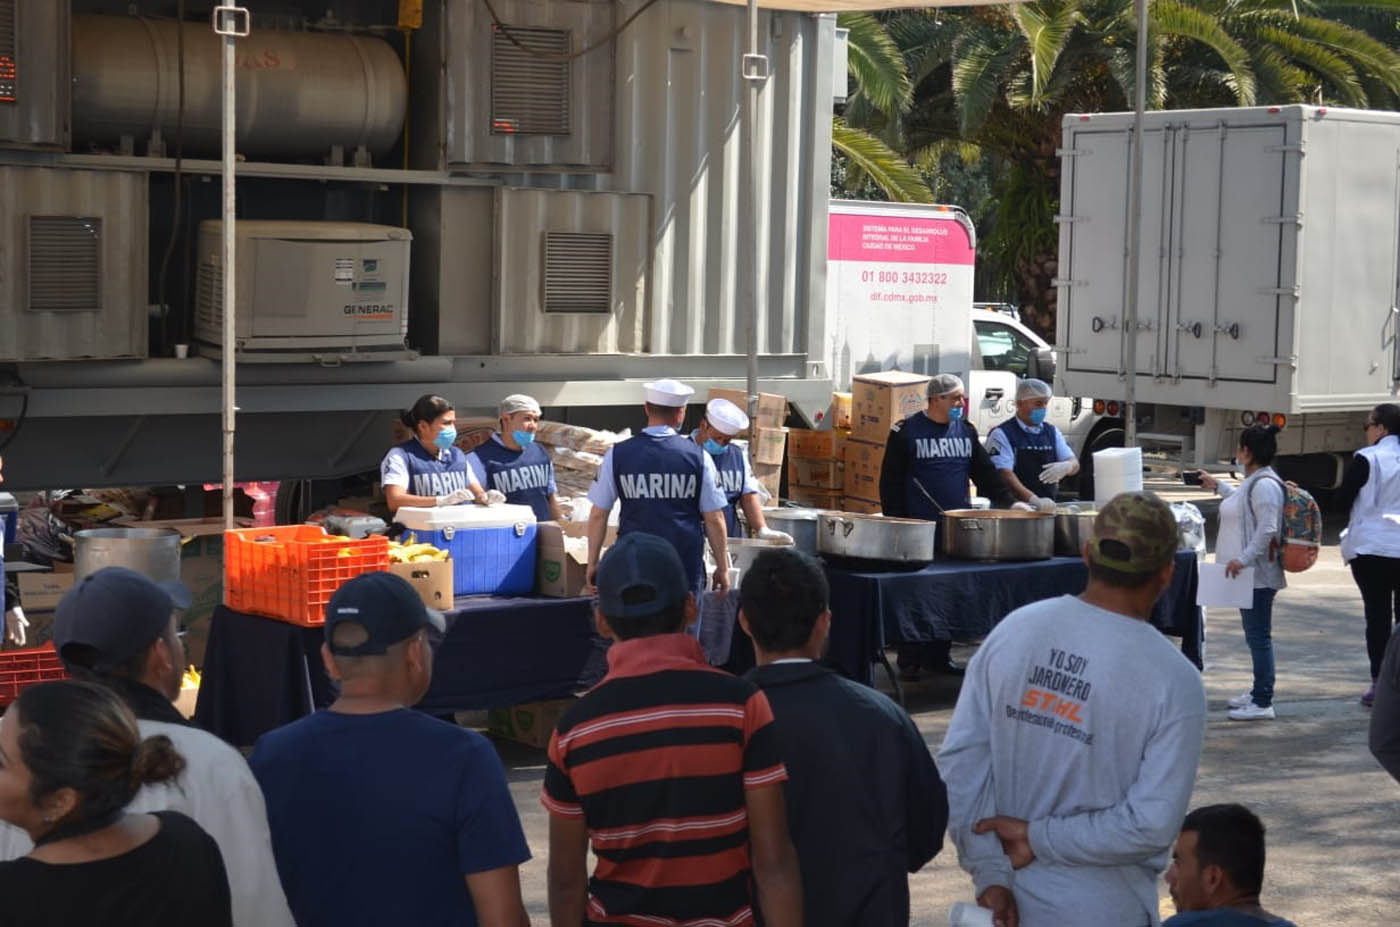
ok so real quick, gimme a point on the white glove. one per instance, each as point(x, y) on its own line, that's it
point(493, 497)
point(1043, 504)
point(1022, 507)
point(1053, 473)
point(15, 625)
point(456, 497)
point(771, 534)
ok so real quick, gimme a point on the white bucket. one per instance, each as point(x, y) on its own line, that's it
point(1116, 470)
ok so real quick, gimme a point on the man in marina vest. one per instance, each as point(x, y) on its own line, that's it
point(667, 485)
point(511, 462)
point(929, 458)
point(722, 422)
point(1029, 452)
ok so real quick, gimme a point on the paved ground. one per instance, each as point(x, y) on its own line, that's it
point(1333, 815)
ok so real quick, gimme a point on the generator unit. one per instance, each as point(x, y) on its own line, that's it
point(323, 291)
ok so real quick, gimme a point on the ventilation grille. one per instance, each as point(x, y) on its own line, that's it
point(65, 264)
point(529, 93)
point(577, 272)
point(7, 51)
point(209, 294)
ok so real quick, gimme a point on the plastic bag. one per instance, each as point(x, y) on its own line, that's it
point(1190, 528)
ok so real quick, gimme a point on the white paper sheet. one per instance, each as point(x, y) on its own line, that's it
point(1216, 590)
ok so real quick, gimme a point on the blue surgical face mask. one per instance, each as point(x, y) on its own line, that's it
point(1037, 416)
point(445, 438)
point(955, 414)
point(523, 438)
point(713, 447)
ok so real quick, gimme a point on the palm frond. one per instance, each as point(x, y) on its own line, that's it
point(1047, 27)
point(895, 176)
point(876, 63)
point(1173, 18)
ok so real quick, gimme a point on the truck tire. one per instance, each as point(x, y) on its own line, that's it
point(1110, 436)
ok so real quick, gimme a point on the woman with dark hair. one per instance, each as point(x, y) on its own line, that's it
point(428, 469)
point(1251, 516)
point(1371, 542)
point(71, 759)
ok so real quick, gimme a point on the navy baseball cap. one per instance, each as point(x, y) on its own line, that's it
point(386, 606)
point(640, 575)
point(112, 615)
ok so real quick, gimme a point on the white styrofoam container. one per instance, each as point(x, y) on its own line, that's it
point(492, 547)
point(1269, 243)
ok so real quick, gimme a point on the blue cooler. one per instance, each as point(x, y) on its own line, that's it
point(492, 547)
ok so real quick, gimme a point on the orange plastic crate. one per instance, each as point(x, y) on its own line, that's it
point(290, 573)
point(20, 669)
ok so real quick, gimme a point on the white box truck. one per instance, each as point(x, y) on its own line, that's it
point(1267, 290)
point(899, 282)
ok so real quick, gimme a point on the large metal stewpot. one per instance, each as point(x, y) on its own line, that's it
point(972, 534)
point(152, 552)
point(743, 551)
point(800, 523)
point(1073, 526)
point(874, 537)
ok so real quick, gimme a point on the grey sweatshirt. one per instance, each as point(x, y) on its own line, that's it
point(1089, 725)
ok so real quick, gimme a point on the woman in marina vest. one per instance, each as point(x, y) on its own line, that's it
point(428, 470)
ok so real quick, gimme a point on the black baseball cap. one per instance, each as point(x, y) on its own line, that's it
point(386, 606)
point(112, 615)
point(640, 575)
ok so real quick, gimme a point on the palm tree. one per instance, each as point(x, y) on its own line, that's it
point(882, 92)
point(1000, 79)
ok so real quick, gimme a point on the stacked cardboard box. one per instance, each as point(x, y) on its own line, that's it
point(767, 438)
point(816, 467)
point(878, 402)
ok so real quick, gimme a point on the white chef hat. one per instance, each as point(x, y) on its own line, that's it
point(1031, 388)
point(670, 393)
point(519, 402)
point(725, 417)
point(944, 383)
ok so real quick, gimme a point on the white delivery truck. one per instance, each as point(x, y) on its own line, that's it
point(899, 282)
point(1267, 290)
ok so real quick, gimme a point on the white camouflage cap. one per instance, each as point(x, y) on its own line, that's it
point(725, 417)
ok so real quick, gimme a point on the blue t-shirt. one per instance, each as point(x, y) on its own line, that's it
point(1222, 917)
point(377, 819)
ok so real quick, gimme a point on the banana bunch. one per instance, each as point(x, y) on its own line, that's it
point(414, 553)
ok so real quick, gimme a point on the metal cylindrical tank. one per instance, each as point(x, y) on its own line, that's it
point(152, 552)
point(299, 93)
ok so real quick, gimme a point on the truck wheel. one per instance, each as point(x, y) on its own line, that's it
point(1109, 437)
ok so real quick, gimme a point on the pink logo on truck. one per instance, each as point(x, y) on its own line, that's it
point(901, 239)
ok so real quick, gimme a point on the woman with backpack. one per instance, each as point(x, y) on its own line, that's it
point(1371, 543)
point(1250, 517)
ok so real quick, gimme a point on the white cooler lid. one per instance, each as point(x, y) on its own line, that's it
point(464, 516)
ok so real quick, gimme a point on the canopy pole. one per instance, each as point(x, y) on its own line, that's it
point(754, 70)
point(230, 22)
point(1135, 234)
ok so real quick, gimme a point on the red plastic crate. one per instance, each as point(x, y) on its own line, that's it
point(20, 669)
point(290, 573)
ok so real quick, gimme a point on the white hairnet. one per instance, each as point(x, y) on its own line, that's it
point(1031, 388)
point(944, 383)
point(519, 402)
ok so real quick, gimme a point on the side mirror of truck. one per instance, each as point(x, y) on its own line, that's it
point(1041, 365)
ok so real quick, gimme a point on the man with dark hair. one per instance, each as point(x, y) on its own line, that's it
point(671, 766)
point(381, 814)
point(1073, 748)
point(865, 803)
point(1217, 870)
point(118, 628)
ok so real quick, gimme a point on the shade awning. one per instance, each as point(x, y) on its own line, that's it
point(845, 6)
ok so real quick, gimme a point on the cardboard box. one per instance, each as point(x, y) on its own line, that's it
point(768, 446)
point(881, 399)
point(859, 506)
point(202, 569)
point(561, 561)
point(772, 408)
point(433, 581)
point(815, 498)
point(816, 474)
point(841, 410)
point(39, 594)
point(863, 462)
point(826, 444)
point(530, 724)
point(770, 477)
